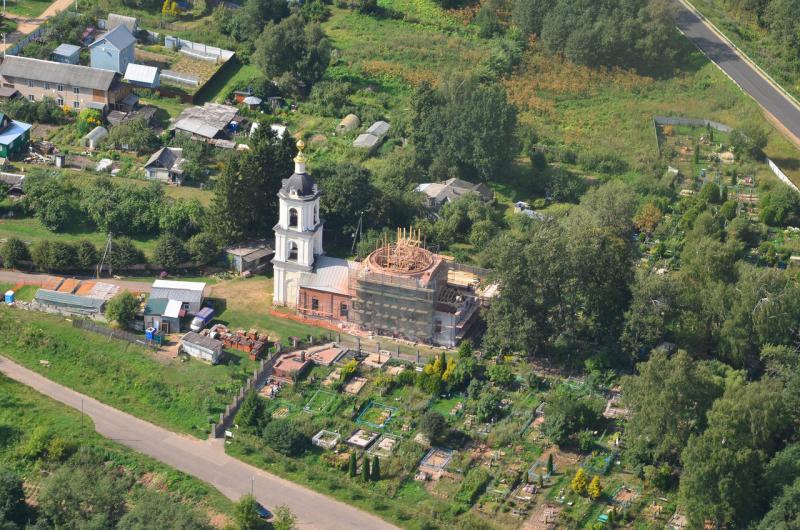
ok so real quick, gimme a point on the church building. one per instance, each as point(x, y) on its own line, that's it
point(401, 290)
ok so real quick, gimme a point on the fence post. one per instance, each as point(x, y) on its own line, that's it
point(417, 356)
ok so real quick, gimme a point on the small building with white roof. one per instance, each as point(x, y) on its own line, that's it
point(142, 75)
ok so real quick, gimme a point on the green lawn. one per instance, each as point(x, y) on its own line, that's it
point(31, 230)
point(24, 412)
point(27, 8)
point(182, 396)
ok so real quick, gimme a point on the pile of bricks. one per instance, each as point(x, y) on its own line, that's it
point(251, 342)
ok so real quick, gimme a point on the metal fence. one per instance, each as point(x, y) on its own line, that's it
point(133, 338)
point(259, 376)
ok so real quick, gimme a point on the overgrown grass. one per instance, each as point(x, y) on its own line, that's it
point(23, 412)
point(183, 396)
point(27, 8)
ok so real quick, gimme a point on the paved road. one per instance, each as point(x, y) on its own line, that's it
point(205, 460)
point(720, 51)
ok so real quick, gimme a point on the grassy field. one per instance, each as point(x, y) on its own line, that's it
point(23, 413)
point(182, 396)
point(31, 230)
point(247, 305)
point(27, 8)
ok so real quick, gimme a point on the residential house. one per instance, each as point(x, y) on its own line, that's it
point(15, 136)
point(163, 314)
point(67, 53)
point(190, 294)
point(68, 84)
point(451, 189)
point(166, 165)
point(113, 50)
point(142, 75)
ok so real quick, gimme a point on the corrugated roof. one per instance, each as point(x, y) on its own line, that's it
point(57, 73)
point(13, 131)
point(187, 292)
point(45, 296)
point(120, 37)
point(203, 341)
point(207, 120)
point(331, 275)
point(167, 157)
point(141, 73)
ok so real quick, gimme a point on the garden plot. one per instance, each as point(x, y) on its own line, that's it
point(376, 415)
point(321, 401)
point(178, 64)
point(384, 447)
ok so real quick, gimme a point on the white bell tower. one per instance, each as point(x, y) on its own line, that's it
point(298, 234)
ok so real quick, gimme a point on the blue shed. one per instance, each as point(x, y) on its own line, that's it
point(67, 53)
point(113, 50)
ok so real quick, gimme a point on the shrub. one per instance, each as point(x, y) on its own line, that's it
point(88, 119)
point(579, 482)
point(122, 308)
point(203, 248)
point(433, 425)
point(284, 437)
point(473, 485)
point(14, 251)
point(170, 252)
point(124, 253)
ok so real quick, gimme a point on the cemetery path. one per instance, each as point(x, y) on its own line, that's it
point(203, 459)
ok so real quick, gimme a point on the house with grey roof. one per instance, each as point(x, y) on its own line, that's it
point(72, 85)
point(113, 50)
point(166, 165)
point(438, 193)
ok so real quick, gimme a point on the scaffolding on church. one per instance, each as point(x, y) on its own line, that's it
point(396, 288)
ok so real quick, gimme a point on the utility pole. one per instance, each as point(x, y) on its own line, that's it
point(252, 484)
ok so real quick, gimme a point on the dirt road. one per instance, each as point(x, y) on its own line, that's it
point(29, 25)
point(203, 459)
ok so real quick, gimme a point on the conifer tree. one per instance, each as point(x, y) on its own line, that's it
point(365, 469)
point(579, 482)
point(376, 469)
point(595, 488)
point(352, 468)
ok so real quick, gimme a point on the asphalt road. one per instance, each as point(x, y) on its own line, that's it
point(204, 459)
point(746, 76)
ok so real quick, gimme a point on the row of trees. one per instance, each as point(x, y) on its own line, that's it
point(636, 34)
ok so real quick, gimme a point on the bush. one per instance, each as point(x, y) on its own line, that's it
point(170, 252)
point(14, 251)
point(203, 248)
point(433, 425)
point(134, 135)
point(52, 256)
point(284, 437)
point(124, 253)
point(330, 98)
point(88, 119)
point(122, 308)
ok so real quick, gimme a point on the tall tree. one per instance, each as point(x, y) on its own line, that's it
point(245, 199)
point(723, 478)
point(293, 53)
point(657, 433)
